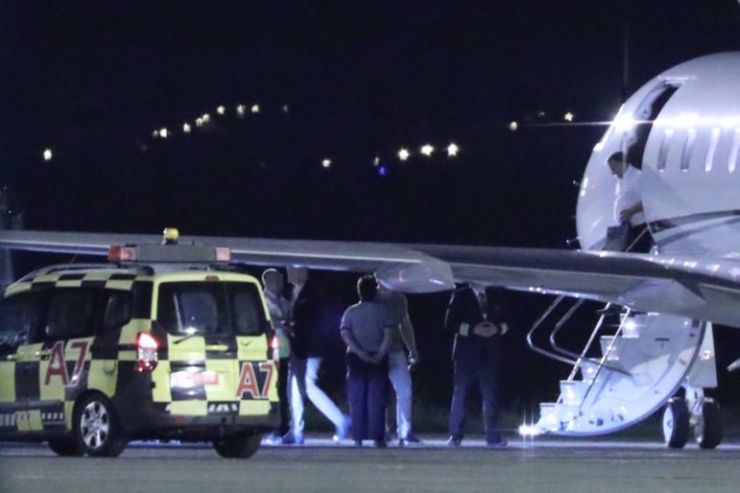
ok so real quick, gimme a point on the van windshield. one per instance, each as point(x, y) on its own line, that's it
point(204, 308)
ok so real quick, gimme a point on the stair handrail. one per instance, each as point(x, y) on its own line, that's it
point(537, 324)
point(602, 362)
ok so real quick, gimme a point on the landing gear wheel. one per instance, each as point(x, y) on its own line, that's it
point(238, 446)
point(66, 447)
point(676, 423)
point(708, 428)
point(96, 427)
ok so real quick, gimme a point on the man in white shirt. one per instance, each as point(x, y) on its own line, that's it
point(628, 210)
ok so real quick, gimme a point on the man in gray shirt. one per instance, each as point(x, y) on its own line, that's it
point(367, 329)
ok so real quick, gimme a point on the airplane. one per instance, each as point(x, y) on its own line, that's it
point(685, 126)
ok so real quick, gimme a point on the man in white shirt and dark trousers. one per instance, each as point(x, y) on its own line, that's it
point(398, 363)
point(628, 209)
point(367, 329)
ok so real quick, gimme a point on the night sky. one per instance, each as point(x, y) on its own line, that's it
point(93, 80)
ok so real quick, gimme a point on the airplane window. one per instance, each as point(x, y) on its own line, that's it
point(664, 146)
point(709, 160)
point(732, 164)
point(688, 146)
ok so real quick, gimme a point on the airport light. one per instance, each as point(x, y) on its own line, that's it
point(427, 150)
point(285, 108)
point(163, 132)
point(199, 122)
point(186, 128)
point(452, 150)
point(155, 134)
point(221, 110)
point(376, 161)
point(382, 171)
point(569, 117)
point(47, 154)
point(240, 110)
point(403, 154)
point(206, 118)
point(326, 163)
point(255, 108)
point(513, 126)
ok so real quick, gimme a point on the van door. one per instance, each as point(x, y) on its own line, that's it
point(62, 357)
point(256, 387)
point(200, 347)
point(19, 319)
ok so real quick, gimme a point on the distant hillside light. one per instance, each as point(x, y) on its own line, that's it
point(221, 110)
point(376, 161)
point(206, 118)
point(569, 117)
point(452, 150)
point(240, 110)
point(403, 154)
point(186, 128)
point(255, 108)
point(47, 154)
point(326, 163)
point(427, 150)
point(285, 108)
point(513, 126)
point(199, 122)
point(163, 132)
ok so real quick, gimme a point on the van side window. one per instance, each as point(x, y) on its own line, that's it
point(19, 317)
point(70, 314)
point(192, 308)
point(117, 312)
point(246, 306)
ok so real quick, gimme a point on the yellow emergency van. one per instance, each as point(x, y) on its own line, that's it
point(165, 342)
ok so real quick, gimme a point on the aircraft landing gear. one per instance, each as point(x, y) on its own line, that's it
point(698, 413)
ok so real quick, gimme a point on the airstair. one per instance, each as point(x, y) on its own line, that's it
point(631, 373)
point(631, 365)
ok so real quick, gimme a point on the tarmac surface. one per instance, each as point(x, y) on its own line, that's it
point(321, 466)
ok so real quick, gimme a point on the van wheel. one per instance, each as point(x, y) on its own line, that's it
point(238, 446)
point(96, 427)
point(676, 426)
point(66, 447)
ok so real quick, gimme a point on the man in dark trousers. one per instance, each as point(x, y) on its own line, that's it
point(477, 317)
point(308, 346)
point(367, 329)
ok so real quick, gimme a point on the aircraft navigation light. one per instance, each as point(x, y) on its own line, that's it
point(163, 132)
point(569, 117)
point(526, 430)
point(403, 154)
point(452, 149)
point(513, 126)
point(326, 163)
point(240, 110)
point(376, 161)
point(206, 118)
point(255, 108)
point(47, 154)
point(221, 110)
point(186, 128)
point(427, 149)
point(199, 122)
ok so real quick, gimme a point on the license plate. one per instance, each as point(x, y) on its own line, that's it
point(190, 379)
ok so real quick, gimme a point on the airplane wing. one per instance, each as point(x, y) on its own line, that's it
point(698, 287)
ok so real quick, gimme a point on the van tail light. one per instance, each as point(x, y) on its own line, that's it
point(146, 352)
point(275, 348)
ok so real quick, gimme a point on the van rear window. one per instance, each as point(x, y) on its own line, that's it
point(204, 308)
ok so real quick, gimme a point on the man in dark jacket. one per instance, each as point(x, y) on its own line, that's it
point(308, 347)
point(478, 319)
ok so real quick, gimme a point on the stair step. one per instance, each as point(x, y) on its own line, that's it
point(572, 391)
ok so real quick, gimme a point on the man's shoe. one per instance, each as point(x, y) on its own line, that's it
point(380, 443)
point(274, 439)
point(343, 430)
point(454, 441)
point(291, 439)
point(497, 444)
point(410, 441)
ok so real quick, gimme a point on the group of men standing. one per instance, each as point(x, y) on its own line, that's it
point(377, 332)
